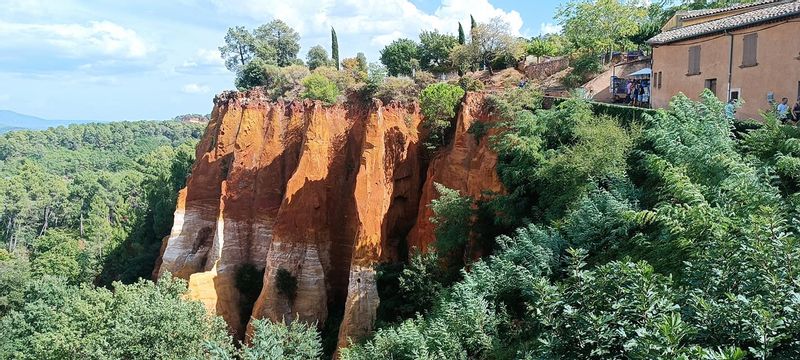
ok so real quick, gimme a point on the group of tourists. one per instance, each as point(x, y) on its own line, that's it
point(785, 113)
point(638, 93)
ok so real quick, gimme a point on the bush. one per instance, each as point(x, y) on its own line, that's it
point(438, 104)
point(627, 115)
point(508, 104)
point(277, 82)
point(424, 78)
point(402, 89)
point(258, 73)
point(344, 80)
point(452, 216)
point(278, 341)
point(291, 84)
point(318, 87)
point(406, 291)
point(286, 283)
point(469, 83)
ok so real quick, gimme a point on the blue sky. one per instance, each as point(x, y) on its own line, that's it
point(153, 59)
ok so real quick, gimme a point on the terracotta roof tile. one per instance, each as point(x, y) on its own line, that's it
point(777, 11)
point(703, 12)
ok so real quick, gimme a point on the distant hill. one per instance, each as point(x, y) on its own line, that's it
point(193, 118)
point(10, 120)
point(5, 129)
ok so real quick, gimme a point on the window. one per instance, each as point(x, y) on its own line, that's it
point(694, 60)
point(735, 94)
point(660, 78)
point(750, 50)
point(711, 84)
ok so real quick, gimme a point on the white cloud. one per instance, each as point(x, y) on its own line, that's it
point(196, 89)
point(206, 61)
point(385, 39)
point(549, 28)
point(97, 38)
point(369, 22)
point(205, 57)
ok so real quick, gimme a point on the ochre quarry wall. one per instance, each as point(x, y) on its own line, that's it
point(323, 192)
point(467, 164)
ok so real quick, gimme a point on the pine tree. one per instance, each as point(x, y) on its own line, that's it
point(334, 48)
point(461, 38)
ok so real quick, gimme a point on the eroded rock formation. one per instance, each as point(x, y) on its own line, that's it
point(323, 192)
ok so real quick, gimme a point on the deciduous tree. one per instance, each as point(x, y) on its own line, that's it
point(434, 51)
point(316, 57)
point(399, 56)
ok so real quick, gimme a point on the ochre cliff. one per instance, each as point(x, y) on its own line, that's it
point(323, 192)
point(467, 165)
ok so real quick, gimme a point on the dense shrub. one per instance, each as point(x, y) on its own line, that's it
point(509, 103)
point(257, 73)
point(438, 104)
point(424, 78)
point(402, 89)
point(318, 87)
point(286, 283)
point(406, 291)
point(291, 85)
point(273, 341)
point(137, 321)
point(627, 115)
point(469, 83)
point(551, 158)
point(14, 276)
point(452, 213)
point(277, 82)
point(344, 80)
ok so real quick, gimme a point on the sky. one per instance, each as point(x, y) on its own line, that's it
point(111, 60)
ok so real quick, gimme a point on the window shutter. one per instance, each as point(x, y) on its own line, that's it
point(750, 50)
point(694, 60)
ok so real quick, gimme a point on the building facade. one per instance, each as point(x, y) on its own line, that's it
point(746, 52)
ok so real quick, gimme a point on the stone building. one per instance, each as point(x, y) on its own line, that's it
point(749, 52)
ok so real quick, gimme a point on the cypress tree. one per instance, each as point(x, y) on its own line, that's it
point(461, 38)
point(334, 48)
point(473, 25)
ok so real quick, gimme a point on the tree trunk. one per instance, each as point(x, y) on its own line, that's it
point(46, 217)
point(13, 242)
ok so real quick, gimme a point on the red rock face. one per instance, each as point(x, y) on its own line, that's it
point(324, 192)
point(467, 165)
